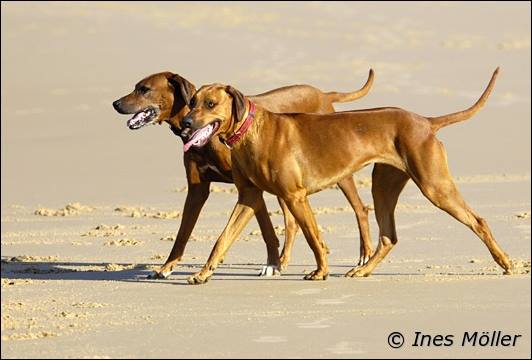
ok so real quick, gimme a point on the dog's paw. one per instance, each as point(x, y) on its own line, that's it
point(198, 279)
point(159, 275)
point(269, 271)
point(317, 275)
point(357, 271)
point(284, 260)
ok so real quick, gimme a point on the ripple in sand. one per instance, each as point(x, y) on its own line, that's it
point(28, 336)
point(118, 267)
point(523, 215)
point(521, 266)
point(69, 209)
point(494, 178)
point(90, 305)
point(140, 212)
point(515, 44)
point(11, 282)
point(28, 258)
point(105, 230)
point(123, 242)
point(213, 189)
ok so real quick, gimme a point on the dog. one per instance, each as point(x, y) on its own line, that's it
point(295, 155)
point(164, 97)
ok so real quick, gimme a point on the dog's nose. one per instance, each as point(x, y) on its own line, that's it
point(116, 105)
point(186, 122)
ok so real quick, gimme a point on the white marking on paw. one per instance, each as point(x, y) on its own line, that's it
point(166, 274)
point(270, 270)
point(159, 275)
point(362, 261)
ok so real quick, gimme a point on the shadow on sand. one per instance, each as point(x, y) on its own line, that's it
point(19, 270)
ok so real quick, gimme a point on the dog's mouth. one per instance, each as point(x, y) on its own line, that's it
point(142, 118)
point(201, 136)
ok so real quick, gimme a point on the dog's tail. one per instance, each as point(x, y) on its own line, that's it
point(441, 121)
point(350, 96)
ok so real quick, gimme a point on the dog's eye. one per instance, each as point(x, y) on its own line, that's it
point(143, 90)
point(210, 104)
point(191, 103)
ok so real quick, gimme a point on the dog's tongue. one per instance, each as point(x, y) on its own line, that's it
point(199, 137)
point(136, 120)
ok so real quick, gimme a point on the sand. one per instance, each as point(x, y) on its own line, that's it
point(89, 207)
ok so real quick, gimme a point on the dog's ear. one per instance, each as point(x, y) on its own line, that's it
point(239, 103)
point(183, 86)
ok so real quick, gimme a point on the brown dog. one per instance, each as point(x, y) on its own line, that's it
point(164, 97)
point(294, 155)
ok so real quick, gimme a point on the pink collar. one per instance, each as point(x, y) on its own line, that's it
point(243, 128)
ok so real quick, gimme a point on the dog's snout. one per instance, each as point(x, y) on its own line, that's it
point(186, 122)
point(116, 105)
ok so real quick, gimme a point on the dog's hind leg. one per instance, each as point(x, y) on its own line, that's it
point(347, 185)
point(290, 231)
point(432, 176)
point(387, 184)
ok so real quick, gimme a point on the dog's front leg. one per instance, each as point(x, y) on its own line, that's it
point(196, 197)
point(249, 201)
point(273, 263)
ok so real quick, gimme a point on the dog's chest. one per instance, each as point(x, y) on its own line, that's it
point(205, 168)
point(213, 171)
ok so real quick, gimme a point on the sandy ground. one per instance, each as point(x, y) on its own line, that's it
point(89, 207)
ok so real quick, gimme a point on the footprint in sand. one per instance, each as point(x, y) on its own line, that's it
point(270, 339)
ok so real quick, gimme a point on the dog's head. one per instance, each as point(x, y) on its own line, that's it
point(156, 98)
point(214, 110)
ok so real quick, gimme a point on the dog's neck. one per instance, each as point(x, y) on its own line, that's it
point(175, 120)
point(243, 126)
point(252, 135)
point(179, 110)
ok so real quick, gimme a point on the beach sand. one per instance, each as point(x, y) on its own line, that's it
point(89, 207)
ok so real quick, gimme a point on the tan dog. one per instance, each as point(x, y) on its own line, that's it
point(294, 155)
point(164, 97)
